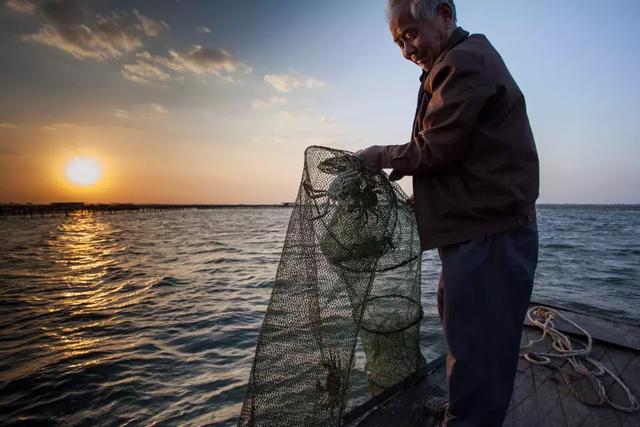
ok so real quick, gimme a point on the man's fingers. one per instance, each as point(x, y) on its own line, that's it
point(371, 157)
point(395, 175)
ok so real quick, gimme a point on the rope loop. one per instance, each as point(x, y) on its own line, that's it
point(564, 348)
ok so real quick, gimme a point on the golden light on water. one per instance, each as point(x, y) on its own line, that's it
point(85, 250)
point(83, 171)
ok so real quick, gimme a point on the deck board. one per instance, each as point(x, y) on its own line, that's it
point(552, 403)
point(540, 396)
point(523, 387)
point(631, 377)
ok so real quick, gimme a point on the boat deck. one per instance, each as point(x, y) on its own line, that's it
point(541, 397)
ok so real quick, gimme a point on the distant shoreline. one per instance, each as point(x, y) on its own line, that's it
point(69, 207)
point(28, 209)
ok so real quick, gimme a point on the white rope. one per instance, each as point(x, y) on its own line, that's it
point(563, 347)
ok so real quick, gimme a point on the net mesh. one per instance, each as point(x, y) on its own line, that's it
point(350, 268)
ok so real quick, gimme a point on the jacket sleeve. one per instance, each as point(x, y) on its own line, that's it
point(460, 90)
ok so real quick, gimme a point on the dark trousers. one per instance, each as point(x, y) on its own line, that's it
point(483, 295)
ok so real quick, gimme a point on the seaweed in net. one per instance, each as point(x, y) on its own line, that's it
point(350, 268)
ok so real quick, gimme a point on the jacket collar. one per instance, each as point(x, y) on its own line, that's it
point(458, 36)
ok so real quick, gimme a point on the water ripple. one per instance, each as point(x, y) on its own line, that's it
point(145, 318)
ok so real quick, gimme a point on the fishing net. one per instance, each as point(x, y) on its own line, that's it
point(350, 268)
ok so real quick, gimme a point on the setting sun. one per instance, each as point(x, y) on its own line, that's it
point(83, 171)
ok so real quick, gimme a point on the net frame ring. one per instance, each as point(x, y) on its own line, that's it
point(410, 321)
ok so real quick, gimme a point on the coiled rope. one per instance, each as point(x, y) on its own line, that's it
point(563, 346)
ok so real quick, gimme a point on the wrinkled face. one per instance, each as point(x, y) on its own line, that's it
point(421, 42)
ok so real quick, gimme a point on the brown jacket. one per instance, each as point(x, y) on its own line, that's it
point(472, 154)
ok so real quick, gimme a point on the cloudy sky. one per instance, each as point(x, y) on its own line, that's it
point(214, 101)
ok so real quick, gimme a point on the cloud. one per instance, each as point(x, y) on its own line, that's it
point(203, 29)
point(7, 125)
point(158, 108)
point(110, 38)
point(21, 6)
point(274, 100)
point(198, 60)
point(55, 127)
point(144, 73)
point(301, 117)
point(148, 26)
point(203, 60)
point(140, 112)
point(122, 114)
point(99, 38)
point(290, 82)
point(121, 33)
point(327, 120)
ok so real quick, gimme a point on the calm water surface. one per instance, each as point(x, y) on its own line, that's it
point(153, 317)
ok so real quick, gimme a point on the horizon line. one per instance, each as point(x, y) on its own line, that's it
point(79, 202)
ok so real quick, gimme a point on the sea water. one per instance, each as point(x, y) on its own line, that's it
point(153, 317)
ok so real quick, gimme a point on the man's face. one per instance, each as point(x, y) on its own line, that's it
point(421, 41)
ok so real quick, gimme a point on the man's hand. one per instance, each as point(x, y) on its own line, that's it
point(395, 175)
point(372, 157)
point(411, 200)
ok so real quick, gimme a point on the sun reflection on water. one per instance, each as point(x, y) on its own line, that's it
point(81, 249)
point(92, 301)
point(85, 251)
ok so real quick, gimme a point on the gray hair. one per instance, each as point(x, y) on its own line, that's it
point(424, 9)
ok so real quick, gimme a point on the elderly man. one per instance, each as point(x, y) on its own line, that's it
point(474, 165)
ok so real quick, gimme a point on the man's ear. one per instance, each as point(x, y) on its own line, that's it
point(444, 11)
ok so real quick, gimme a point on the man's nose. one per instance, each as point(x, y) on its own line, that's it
point(409, 50)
